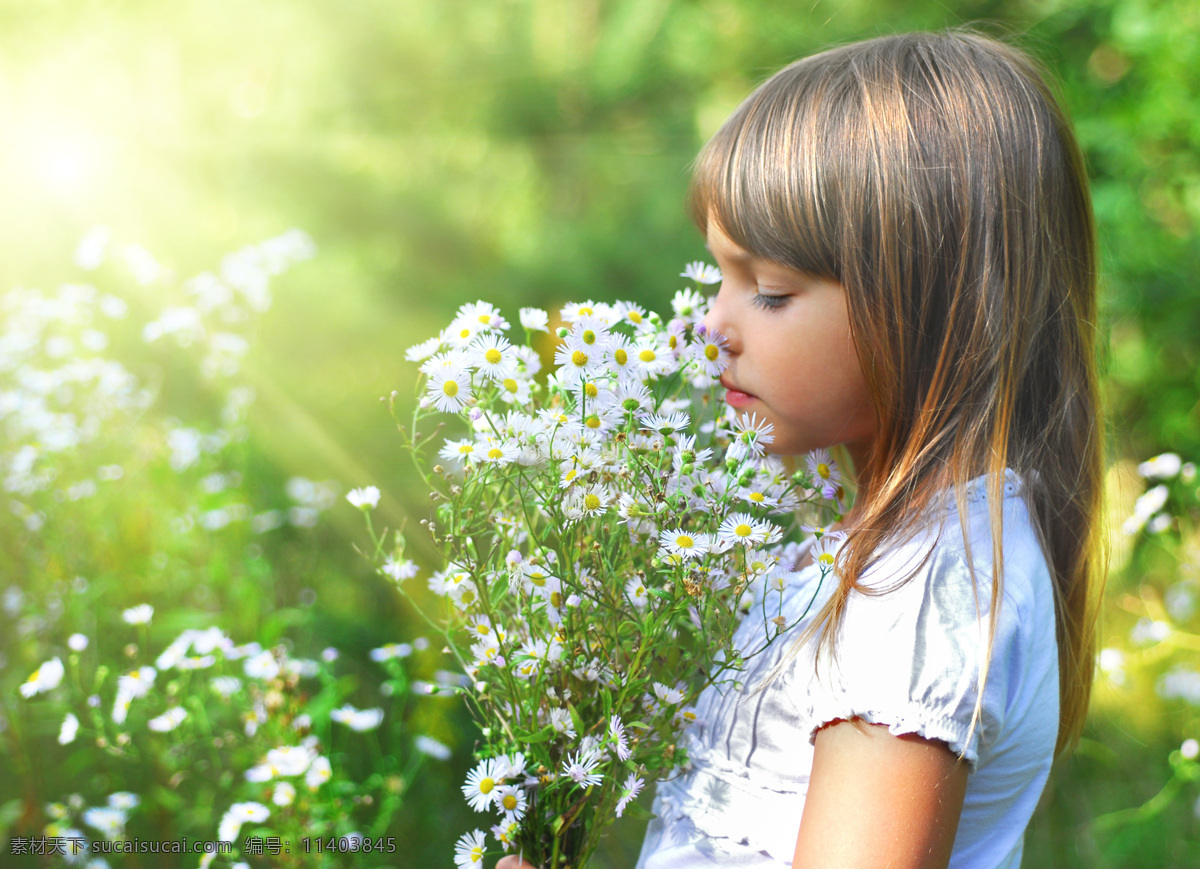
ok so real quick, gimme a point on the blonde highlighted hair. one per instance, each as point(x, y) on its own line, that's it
point(936, 177)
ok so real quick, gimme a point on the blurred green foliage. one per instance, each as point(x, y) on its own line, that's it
point(530, 152)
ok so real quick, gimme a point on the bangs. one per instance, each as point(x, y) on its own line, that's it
point(772, 175)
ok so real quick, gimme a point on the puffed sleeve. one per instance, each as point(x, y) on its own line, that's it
point(909, 656)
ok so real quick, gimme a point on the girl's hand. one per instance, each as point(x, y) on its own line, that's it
point(512, 861)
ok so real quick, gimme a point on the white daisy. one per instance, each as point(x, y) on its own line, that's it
point(109, 822)
point(461, 333)
point(750, 436)
point(399, 569)
point(651, 357)
point(138, 615)
point(168, 721)
point(421, 352)
point(493, 452)
point(469, 850)
point(578, 310)
point(483, 313)
point(70, 727)
point(459, 453)
point(511, 801)
point(582, 768)
point(686, 544)
point(701, 273)
point(710, 353)
point(686, 456)
point(364, 498)
point(319, 772)
point(493, 356)
point(576, 360)
point(668, 424)
point(45, 678)
point(620, 742)
point(635, 590)
point(358, 719)
point(825, 550)
point(482, 782)
point(514, 390)
point(448, 390)
point(826, 475)
point(629, 791)
point(689, 305)
point(453, 359)
point(238, 814)
point(635, 315)
point(284, 793)
point(430, 747)
point(666, 694)
point(632, 510)
point(741, 529)
point(535, 320)
point(591, 333)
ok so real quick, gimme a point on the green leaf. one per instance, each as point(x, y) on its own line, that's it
point(540, 736)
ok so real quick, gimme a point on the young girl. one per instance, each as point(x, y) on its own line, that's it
point(905, 234)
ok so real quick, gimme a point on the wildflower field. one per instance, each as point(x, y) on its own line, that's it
point(225, 225)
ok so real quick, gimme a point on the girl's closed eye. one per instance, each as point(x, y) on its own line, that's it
point(769, 302)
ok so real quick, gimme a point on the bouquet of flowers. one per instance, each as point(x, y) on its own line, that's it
point(605, 528)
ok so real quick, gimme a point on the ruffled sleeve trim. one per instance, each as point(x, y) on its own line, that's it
point(910, 718)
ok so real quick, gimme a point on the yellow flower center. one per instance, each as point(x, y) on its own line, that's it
point(483, 629)
point(647, 356)
point(510, 802)
point(590, 389)
point(468, 596)
point(684, 542)
point(538, 579)
point(589, 337)
point(466, 450)
point(621, 356)
point(743, 530)
point(492, 355)
point(476, 855)
point(579, 358)
point(570, 475)
point(485, 319)
point(757, 497)
point(825, 559)
point(510, 384)
point(556, 599)
point(823, 471)
point(464, 333)
point(495, 453)
point(486, 785)
point(672, 342)
point(585, 311)
point(593, 421)
point(591, 501)
point(634, 317)
point(711, 352)
point(450, 388)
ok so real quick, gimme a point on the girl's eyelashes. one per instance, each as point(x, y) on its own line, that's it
point(769, 303)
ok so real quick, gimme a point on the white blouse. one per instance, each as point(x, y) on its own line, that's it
point(908, 658)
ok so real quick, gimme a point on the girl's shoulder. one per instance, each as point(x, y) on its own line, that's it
point(916, 634)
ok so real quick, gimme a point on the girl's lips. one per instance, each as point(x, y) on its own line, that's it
point(737, 398)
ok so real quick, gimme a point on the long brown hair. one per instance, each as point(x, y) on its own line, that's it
point(936, 176)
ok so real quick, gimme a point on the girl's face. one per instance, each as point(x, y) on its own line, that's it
point(792, 359)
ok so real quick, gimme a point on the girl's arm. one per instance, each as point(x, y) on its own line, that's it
point(877, 800)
